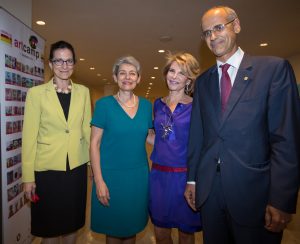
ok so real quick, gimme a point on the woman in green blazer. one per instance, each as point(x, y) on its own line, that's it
point(56, 134)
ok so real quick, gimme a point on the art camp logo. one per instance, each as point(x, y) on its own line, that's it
point(30, 48)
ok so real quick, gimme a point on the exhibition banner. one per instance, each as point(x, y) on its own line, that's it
point(21, 67)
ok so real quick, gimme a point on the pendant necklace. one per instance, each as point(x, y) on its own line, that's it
point(122, 103)
point(167, 127)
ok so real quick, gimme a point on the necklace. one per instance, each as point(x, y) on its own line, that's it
point(168, 101)
point(60, 90)
point(167, 126)
point(122, 103)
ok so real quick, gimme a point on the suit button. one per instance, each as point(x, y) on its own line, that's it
point(67, 131)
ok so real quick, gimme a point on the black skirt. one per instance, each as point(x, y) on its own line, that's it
point(61, 207)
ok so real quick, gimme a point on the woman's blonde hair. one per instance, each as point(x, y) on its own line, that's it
point(188, 65)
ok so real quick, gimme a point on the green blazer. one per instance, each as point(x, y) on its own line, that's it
point(47, 137)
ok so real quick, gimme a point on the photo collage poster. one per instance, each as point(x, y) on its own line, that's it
point(21, 67)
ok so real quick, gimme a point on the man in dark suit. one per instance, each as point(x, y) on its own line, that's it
point(243, 164)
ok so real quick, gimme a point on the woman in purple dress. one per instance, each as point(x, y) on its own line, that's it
point(167, 205)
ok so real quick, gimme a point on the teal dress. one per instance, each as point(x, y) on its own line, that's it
point(124, 166)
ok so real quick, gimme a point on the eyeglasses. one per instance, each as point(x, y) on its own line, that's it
point(217, 28)
point(60, 62)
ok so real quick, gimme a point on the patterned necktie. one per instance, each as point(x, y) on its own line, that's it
point(225, 86)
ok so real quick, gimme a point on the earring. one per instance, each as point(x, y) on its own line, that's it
point(188, 87)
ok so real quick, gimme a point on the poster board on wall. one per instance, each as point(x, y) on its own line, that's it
point(21, 67)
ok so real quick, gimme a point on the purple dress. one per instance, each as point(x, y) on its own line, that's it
point(167, 205)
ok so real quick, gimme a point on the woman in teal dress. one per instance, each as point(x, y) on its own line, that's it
point(120, 127)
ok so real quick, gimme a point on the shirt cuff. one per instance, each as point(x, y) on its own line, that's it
point(191, 182)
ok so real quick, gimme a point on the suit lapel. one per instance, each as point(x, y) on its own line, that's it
point(54, 99)
point(214, 92)
point(243, 78)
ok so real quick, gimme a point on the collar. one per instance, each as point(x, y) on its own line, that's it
point(235, 60)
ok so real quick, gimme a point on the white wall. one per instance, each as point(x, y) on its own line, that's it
point(22, 9)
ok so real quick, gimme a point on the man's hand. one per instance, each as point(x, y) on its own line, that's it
point(276, 220)
point(189, 195)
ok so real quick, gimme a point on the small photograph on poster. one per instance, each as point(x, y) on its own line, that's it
point(16, 205)
point(14, 191)
point(9, 162)
point(13, 63)
point(27, 69)
point(17, 173)
point(17, 110)
point(9, 146)
point(12, 161)
point(24, 81)
point(8, 94)
point(19, 80)
point(13, 144)
point(8, 79)
point(8, 110)
point(8, 62)
point(10, 177)
point(20, 110)
point(20, 125)
point(24, 93)
point(15, 126)
point(11, 211)
point(29, 83)
point(16, 95)
point(14, 175)
point(13, 78)
point(19, 66)
point(23, 67)
point(9, 127)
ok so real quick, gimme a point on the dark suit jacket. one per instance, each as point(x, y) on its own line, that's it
point(256, 139)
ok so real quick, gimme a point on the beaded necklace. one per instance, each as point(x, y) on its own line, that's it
point(60, 90)
point(127, 106)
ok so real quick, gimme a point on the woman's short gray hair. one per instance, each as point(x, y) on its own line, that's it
point(126, 60)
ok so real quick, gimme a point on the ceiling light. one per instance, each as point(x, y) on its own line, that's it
point(264, 44)
point(40, 22)
point(161, 51)
point(152, 77)
point(150, 83)
point(149, 88)
point(98, 74)
point(81, 59)
point(155, 67)
point(92, 68)
point(104, 79)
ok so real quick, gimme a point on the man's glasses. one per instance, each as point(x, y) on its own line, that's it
point(217, 28)
point(60, 62)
